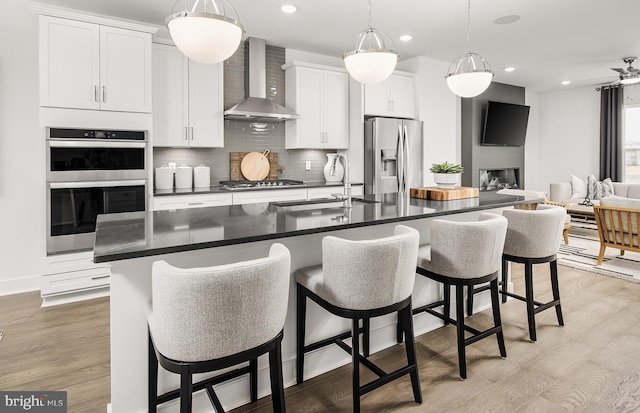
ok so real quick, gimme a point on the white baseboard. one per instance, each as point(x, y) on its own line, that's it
point(73, 297)
point(20, 285)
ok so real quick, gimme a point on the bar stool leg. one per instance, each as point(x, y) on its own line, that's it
point(153, 378)
point(556, 290)
point(531, 318)
point(406, 318)
point(253, 379)
point(446, 293)
point(366, 336)
point(277, 382)
point(497, 322)
point(399, 332)
point(470, 300)
point(301, 303)
point(355, 356)
point(460, 327)
point(505, 275)
point(186, 389)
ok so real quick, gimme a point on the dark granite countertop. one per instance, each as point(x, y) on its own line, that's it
point(140, 234)
point(216, 189)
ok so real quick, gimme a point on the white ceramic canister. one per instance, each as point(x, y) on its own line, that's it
point(164, 177)
point(201, 176)
point(184, 177)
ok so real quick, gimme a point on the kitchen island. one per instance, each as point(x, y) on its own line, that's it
point(131, 242)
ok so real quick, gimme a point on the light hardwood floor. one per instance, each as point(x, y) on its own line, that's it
point(590, 365)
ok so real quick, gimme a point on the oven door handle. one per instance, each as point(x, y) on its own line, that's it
point(96, 184)
point(95, 144)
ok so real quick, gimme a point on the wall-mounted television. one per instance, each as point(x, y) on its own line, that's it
point(505, 124)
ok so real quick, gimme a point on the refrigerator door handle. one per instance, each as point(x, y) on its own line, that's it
point(407, 159)
point(400, 160)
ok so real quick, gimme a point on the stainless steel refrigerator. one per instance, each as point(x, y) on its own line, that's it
point(393, 155)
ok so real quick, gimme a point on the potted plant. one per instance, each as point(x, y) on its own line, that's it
point(446, 174)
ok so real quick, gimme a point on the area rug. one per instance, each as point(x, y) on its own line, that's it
point(584, 247)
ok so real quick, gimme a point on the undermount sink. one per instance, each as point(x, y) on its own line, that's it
point(321, 203)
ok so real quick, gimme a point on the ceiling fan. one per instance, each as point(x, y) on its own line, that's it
point(630, 75)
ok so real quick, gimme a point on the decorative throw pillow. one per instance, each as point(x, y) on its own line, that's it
point(578, 188)
point(598, 189)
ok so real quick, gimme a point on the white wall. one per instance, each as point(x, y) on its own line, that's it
point(569, 130)
point(532, 145)
point(439, 109)
point(22, 158)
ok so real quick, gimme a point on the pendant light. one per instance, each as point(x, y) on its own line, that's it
point(469, 75)
point(370, 61)
point(207, 31)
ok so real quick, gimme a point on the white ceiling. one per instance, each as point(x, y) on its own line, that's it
point(554, 40)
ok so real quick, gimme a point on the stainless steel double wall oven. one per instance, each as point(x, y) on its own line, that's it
point(91, 172)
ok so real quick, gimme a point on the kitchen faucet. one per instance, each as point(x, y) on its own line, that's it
point(346, 196)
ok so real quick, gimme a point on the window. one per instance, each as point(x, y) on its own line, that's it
point(632, 144)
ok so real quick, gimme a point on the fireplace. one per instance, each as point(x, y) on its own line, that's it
point(495, 179)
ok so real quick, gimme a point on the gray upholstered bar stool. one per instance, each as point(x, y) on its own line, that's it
point(360, 280)
point(533, 237)
point(464, 254)
point(207, 319)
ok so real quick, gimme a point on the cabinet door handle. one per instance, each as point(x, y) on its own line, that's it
point(191, 129)
point(100, 277)
point(95, 93)
point(186, 133)
point(195, 203)
point(104, 94)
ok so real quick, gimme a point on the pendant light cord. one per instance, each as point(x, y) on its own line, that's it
point(369, 9)
point(468, 26)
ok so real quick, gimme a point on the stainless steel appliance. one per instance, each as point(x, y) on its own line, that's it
point(393, 155)
point(91, 172)
point(274, 183)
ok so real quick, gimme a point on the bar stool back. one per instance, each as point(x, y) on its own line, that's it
point(533, 237)
point(360, 280)
point(464, 254)
point(207, 319)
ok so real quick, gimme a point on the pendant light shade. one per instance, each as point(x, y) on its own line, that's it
point(370, 61)
point(207, 31)
point(470, 74)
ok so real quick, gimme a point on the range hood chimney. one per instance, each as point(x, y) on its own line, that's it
point(256, 106)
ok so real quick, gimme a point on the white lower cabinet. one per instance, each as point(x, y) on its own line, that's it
point(73, 273)
point(161, 203)
point(269, 195)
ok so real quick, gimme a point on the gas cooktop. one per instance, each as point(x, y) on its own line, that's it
point(275, 183)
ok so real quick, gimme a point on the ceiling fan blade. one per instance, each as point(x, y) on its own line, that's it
point(617, 69)
point(633, 69)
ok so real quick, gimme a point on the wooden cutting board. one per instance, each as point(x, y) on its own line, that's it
point(255, 166)
point(444, 194)
point(235, 159)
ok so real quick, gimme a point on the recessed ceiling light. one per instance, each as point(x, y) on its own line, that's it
point(512, 18)
point(288, 8)
point(565, 82)
point(406, 37)
point(509, 69)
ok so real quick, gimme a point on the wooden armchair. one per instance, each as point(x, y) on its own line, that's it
point(618, 227)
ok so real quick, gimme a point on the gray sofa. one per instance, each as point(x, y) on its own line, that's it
point(561, 192)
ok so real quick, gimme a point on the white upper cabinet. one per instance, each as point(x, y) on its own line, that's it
point(320, 95)
point(91, 66)
point(187, 101)
point(393, 97)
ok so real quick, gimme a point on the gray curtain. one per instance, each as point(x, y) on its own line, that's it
point(611, 144)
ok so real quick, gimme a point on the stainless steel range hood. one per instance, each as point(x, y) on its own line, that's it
point(256, 106)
